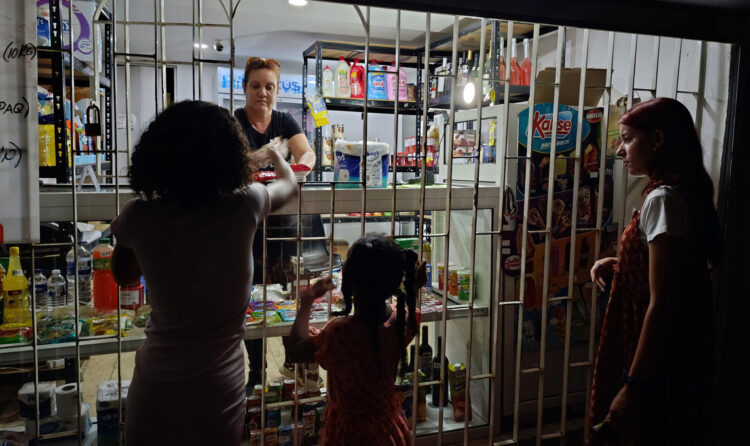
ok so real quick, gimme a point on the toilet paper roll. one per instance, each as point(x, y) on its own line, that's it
point(67, 400)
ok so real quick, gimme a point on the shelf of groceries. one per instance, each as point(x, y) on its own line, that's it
point(98, 330)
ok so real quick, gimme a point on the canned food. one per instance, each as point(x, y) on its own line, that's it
point(253, 418)
point(273, 417)
point(258, 389)
point(254, 437)
point(287, 390)
point(272, 436)
point(464, 284)
point(272, 396)
point(275, 386)
point(452, 281)
point(253, 401)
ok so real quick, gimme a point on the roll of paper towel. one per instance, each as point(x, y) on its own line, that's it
point(67, 400)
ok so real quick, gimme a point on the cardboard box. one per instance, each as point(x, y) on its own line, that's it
point(570, 81)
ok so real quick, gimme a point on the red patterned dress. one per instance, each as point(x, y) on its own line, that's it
point(669, 408)
point(362, 407)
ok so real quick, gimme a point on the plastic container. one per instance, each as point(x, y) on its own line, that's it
point(85, 266)
point(515, 69)
point(328, 89)
point(341, 79)
point(357, 80)
point(390, 80)
point(131, 296)
point(105, 288)
point(15, 291)
point(526, 64)
point(40, 289)
point(56, 289)
point(347, 163)
point(376, 81)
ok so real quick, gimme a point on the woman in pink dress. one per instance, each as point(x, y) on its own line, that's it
point(190, 234)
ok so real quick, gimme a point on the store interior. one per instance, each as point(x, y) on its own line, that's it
point(421, 185)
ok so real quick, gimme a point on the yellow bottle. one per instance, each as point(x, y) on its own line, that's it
point(15, 292)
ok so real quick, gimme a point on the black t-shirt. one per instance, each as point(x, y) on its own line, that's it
point(282, 124)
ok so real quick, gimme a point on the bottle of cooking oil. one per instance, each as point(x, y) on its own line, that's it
point(15, 291)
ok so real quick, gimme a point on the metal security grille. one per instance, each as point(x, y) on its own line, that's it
point(464, 218)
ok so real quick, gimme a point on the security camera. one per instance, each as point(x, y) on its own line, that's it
point(218, 46)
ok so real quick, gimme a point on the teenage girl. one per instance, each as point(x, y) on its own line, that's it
point(362, 352)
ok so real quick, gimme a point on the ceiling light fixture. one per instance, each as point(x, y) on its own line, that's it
point(200, 45)
point(298, 2)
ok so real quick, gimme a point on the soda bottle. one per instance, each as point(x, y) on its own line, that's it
point(16, 292)
point(515, 69)
point(105, 288)
point(84, 274)
point(526, 64)
point(56, 289)
point(40, 289)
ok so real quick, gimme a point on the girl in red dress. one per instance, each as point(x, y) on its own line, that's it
point(362, 352)
point(652, 375)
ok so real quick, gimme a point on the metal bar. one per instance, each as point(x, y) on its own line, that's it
point(631, 84)
point(394, 149)
point(162, 23)
point(447, 218)
point(128, 136)
point(232, 50)
point(655, 59)
point(599, 213)
point(699, 95)
point(474, 212)
point(524, 228)
point(676, 67)
point(510, 302)
point(200, 53)
point(548, 223)
point(156, 61)
point(580, 364)
point(363, 157)
point(574, 228)
point(163, 45)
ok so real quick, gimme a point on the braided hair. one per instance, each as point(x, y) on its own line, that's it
point(375, 269)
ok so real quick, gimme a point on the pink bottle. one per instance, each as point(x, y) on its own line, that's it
point(357, 80)
point(391, 83)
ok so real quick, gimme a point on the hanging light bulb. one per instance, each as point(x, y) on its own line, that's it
point(298, 2)
point(469, 92)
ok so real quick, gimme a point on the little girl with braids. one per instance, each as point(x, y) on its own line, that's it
point(362, 352)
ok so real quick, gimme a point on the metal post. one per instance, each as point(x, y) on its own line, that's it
point(394, 149)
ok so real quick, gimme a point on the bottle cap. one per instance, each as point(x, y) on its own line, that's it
point(105, 240)
point(14, 250)
point(341, 58)
point(55, 272)
point(356, 60)
point(38, 271)
point(327, 67)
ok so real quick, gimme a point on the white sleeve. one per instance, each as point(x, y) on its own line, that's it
point(664, 212)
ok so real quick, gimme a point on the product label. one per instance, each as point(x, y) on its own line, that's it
point(374, 171)
point(343, 82)
point(129, 297)
point(104, 263)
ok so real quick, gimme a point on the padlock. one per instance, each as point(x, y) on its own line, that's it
point(93, 126)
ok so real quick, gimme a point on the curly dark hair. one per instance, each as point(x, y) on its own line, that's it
point(191, 153)
point(376, 267)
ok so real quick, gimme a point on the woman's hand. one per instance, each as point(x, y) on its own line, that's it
point(601, 268)
point(320, 287)
point(620, 410)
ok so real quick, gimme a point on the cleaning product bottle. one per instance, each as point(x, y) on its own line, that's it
point(515, 69)
point(328, 90)
point(341, 79)
point(357, 79)
point(501, 62)
point(15, 291)
point(526, 64)
point(105, 288)
point(390, 82)
point(376, 81)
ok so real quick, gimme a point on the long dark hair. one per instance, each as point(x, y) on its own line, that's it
point(679, 162)
point(193, 152)
point(375, 269)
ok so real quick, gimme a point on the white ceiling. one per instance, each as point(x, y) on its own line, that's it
point(271, 28)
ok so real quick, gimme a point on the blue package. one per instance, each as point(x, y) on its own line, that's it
point(376, 83)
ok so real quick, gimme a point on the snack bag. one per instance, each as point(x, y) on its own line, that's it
point(317, 107)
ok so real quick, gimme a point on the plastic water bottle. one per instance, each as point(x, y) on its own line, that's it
point(56, 289)
point(85, 267)
point(105, 288)
point(40, 289)
point(328, 90)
